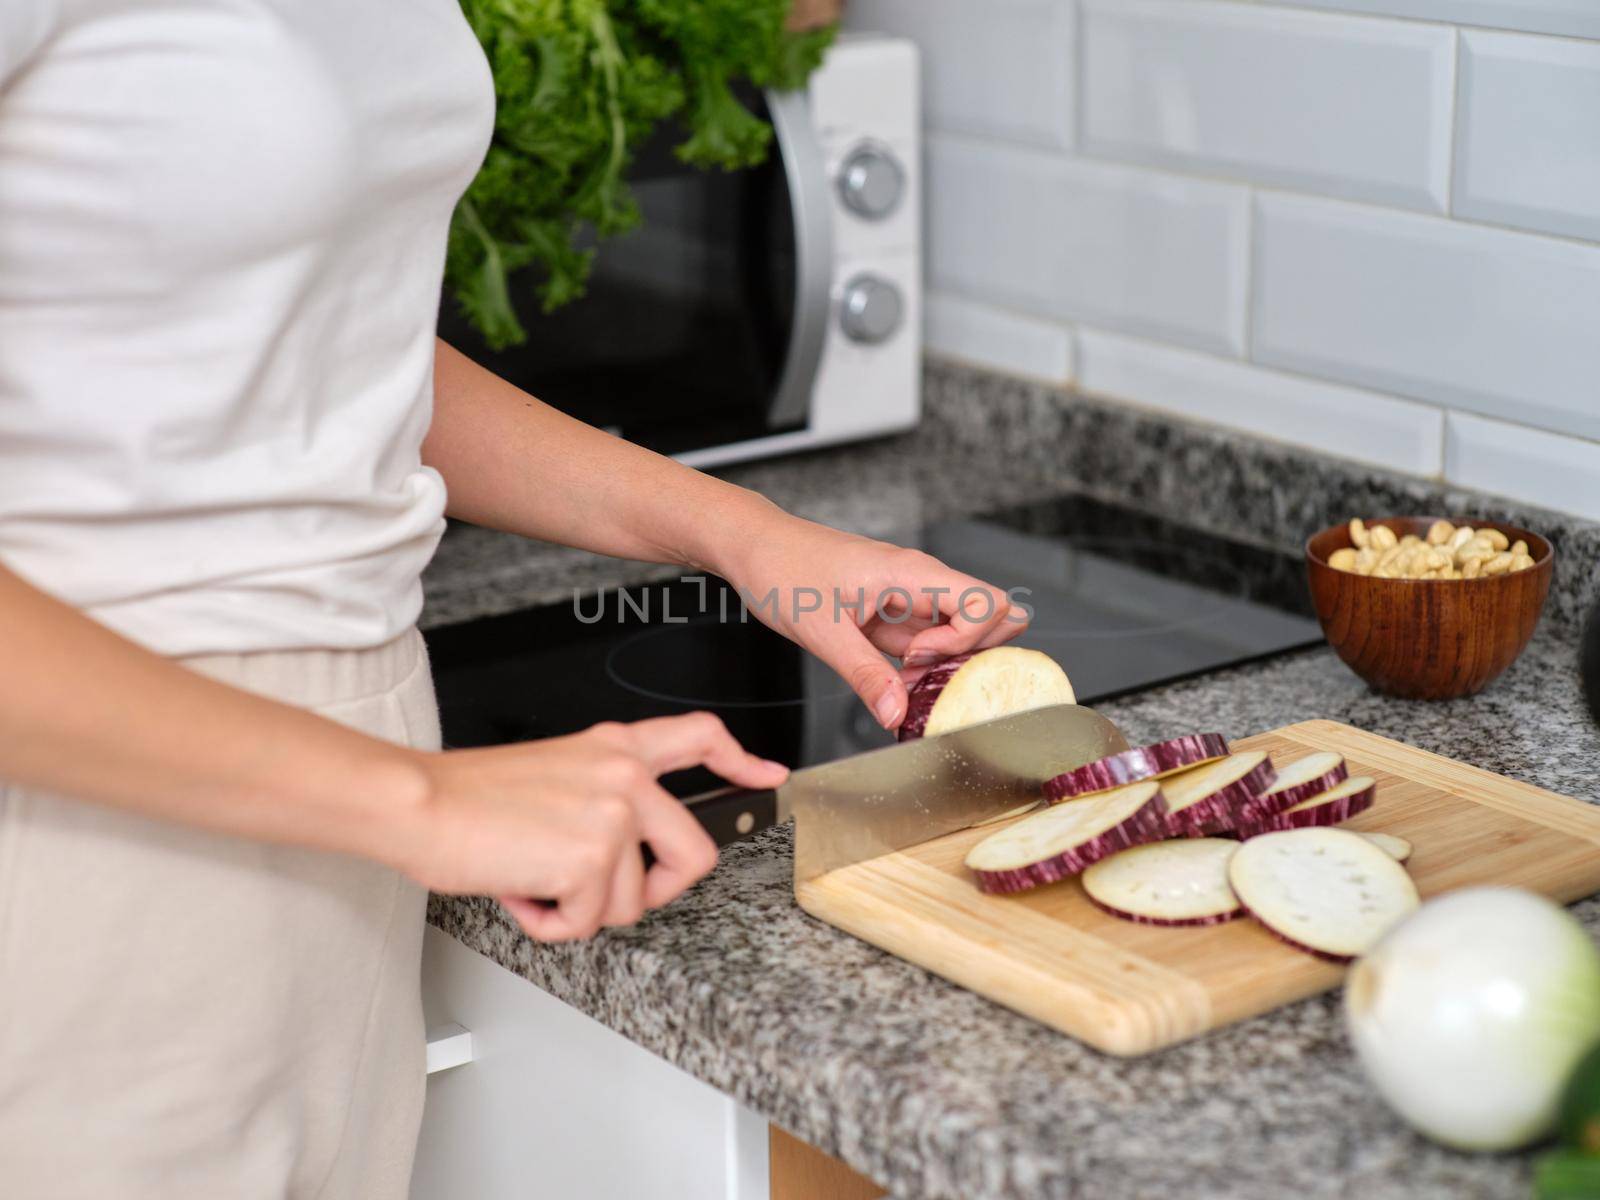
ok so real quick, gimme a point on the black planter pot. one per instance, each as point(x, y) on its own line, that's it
point(1589, 663)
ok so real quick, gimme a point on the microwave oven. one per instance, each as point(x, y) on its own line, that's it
point(753, 312)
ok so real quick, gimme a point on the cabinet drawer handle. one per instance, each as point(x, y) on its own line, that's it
point(448, 1046)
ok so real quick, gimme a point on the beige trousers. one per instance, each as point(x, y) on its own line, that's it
point(184, 1014)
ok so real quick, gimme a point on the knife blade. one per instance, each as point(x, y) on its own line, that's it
point(867, 805)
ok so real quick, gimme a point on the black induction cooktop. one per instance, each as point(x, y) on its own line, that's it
point(1121, 599)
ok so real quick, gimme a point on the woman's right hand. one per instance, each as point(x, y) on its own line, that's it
point(553, 827)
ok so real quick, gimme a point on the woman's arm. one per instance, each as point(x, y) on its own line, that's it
point(514, 463)
point(89, 714)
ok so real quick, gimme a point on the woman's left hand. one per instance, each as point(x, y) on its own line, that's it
point(850, 600)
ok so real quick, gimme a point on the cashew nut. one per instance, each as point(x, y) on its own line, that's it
point(1498, 565)
point(1447, 552)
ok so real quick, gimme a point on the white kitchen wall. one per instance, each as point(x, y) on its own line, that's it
point(1371, 227)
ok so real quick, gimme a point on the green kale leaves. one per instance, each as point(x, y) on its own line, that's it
point(579, 83)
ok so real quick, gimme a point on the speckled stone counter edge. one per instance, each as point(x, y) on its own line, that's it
point(988, 441)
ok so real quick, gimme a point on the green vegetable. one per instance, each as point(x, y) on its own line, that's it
point(580, 83)
point(1567, 1175)
point(1579, 1119)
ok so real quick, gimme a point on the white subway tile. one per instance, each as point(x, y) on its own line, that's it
point(1525, 464)
point(1325, 417)
point(1528, 134)
point(1579, 17)
point(1123, 247)
point(1347, 106)
point(1000, 67)
point(992, 337)
point(1498, 322)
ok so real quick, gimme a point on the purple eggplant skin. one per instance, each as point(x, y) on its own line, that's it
point(1266, 806)
point(1187, 922)
point(1333, 813)
point(1148, 823)
point(1205, 818)
point(1131, 766)
point(1225, 809)
point(1338, 960)
point(924, 695)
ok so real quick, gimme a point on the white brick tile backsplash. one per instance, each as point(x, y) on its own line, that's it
point(999, 67)
point(1526, 464)
point(1365, 227)
point(1347, 106)
point(1578, 17)
point(992, 337)
point(1126, 248)
point(1399, 434)
point(1494, 321)
point(1528, 132)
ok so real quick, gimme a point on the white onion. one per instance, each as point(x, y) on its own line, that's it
point(1471, 1013)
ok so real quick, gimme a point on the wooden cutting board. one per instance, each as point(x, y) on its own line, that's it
point(1129, 989)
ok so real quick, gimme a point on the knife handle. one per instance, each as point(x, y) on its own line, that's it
point(728, 814)
point(731, 814)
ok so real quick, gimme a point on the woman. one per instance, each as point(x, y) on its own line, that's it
point(228, 440)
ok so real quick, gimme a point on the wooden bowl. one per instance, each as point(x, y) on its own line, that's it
point(1428, 639)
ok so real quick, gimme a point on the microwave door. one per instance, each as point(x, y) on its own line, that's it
point(704, 326)
point(812, 208)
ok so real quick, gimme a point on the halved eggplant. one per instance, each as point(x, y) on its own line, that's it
point(1154, 761)
point(1300, 780)
point(1332, 807)
point(1064, 839)
point(1329, 892)
point(981, 686)
point(1183, 882)
point(1215, 797)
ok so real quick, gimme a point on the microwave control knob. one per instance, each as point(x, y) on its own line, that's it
point(871, 182)
point(870, 309)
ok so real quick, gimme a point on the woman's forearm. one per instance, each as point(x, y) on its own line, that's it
point(87, 713)
point(514, 463)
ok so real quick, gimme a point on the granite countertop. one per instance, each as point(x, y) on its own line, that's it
point(936, 1092)
point(988, 442)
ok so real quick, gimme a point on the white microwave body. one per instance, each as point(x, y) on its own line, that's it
point(753, 312)
point(862, 104)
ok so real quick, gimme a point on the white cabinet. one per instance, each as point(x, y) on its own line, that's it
point(554, 1104)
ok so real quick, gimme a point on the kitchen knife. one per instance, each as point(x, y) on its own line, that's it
point(860, 807)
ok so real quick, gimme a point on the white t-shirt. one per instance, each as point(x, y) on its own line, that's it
point(222, 230)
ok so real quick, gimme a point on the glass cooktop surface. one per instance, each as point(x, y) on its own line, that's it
point(1121, 599)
